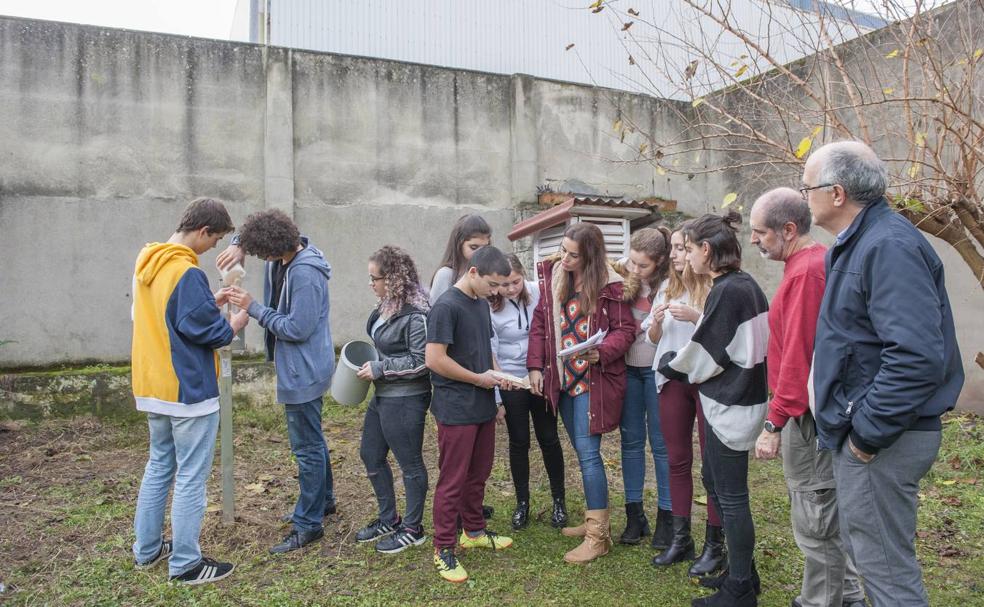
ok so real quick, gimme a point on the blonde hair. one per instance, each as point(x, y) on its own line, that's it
point(687, 282)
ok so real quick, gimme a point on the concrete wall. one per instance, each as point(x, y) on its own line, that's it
point(108, 134)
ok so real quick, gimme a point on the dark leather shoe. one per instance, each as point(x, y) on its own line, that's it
point(329, 509)
point(558, 518)
point(297, 540)
point(663, 533)
point(718, 581)
point(732, 593)
point(521, 515)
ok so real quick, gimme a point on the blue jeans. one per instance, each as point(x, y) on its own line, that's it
point(181, 450)
point(307, 443)
point(640, 416)
point(574, 412)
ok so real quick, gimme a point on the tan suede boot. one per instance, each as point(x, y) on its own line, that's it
point(597, 540)
point(578, 531)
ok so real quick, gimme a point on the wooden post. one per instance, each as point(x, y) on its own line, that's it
point(226, 459)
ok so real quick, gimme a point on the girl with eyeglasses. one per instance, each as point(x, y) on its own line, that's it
point(395, 418)
point(512, 314)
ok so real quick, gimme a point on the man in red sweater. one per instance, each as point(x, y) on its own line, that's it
point(780, 222)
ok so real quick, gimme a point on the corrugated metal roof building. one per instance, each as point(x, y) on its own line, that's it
point(519, 36)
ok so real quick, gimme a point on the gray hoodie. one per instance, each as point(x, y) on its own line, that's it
point(302, 348)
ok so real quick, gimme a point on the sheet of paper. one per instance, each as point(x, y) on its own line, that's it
point(521, 382)
point(589, 343)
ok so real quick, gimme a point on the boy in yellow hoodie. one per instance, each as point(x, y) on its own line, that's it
point(177, 326)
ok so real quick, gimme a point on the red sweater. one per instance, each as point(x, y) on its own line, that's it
point(792, 331)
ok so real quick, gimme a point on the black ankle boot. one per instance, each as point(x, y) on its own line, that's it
point(717, 581)
point(663, 534)
point(712, 557)
point(558, 518)
point(681, 545)
point(521, 515)
point(636, 524)
point(732, 593)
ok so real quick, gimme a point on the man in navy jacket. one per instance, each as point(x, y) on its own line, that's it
point(886, 365)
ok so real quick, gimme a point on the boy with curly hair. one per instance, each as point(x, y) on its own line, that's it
point(294, 315)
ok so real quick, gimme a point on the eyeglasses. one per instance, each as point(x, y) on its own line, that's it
point(804, 191)
point(375, 279)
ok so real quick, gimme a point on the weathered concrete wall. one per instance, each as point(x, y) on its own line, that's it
point(108, 134)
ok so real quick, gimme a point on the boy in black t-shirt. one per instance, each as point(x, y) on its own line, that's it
point(459, 355)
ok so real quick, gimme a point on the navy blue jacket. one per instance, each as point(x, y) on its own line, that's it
point(886, 358)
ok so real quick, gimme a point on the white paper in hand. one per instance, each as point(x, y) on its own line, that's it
point(592, 342)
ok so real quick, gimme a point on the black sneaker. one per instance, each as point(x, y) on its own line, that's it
point(297, 540)
point(204, 572)
point(166, 549)
point(403, 538)
point(375, 530)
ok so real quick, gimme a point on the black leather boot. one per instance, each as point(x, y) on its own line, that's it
point(681, 545)
point(712, 557)
point(521, 515)
point(636, 524)
point(558, 518)
point(717, 581)
point(732, 593)
point(663, 534)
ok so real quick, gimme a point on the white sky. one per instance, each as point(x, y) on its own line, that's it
point(203, 18)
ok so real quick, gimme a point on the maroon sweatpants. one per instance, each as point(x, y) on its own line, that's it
point(679, 405)
point(464, 464)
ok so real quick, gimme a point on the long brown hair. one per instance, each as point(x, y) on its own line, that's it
point(654, 243)
point(594, 275)
point(497, 301)
point(696, 285)
point(720, 232)
point(466, 228)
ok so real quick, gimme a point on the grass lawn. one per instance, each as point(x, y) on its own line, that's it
point(68, 488)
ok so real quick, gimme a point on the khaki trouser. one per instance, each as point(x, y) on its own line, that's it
point(829, 576)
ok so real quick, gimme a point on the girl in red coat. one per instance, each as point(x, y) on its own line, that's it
point(580, 296)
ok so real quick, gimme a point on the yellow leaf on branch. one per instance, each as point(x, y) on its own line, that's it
point(741, 71)
point(893, 54)
point(618, 125)
point(913, 171)
point(697, 101)
point(921, 139)
point(643, 148)
point(978, 53)
point(661, 170)
point(805, 144)
point(888, 90)
point(595, 4)
point(729, 200)
point(816, 131)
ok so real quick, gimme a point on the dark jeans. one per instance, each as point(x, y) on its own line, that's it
point(464, 462)
point(307, 443)
point(679, 406)
point(726, 480)
point(521, 405)
point(396, 424)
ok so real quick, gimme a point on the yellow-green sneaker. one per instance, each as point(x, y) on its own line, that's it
point(448, 566)
point(489, 539)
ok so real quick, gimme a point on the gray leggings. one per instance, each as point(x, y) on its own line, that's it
point(396, 424)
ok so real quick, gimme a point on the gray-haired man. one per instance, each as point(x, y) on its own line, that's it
point(780, 222)
point(886, 365)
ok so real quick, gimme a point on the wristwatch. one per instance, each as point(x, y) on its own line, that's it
point(772, 428)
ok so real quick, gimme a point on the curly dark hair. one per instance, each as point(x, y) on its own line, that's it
point(402, 281)
point(269, 234)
